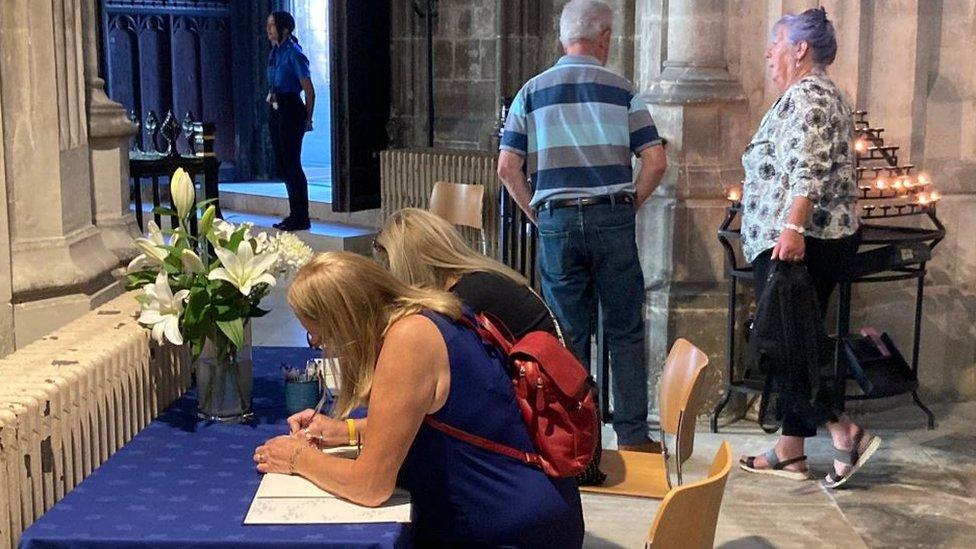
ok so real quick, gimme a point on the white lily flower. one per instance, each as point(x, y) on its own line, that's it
point(261, 242)
point(223, 229)
point(183, 193)
point(244, 269)
point(153, 252)
point(161, 310)
point(192, 262)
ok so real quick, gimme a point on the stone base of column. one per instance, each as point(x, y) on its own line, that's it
point(117, 235)
point(36, 319)
point(6, 328)
point(110, 188)
point(689, 85)
point(59, 279)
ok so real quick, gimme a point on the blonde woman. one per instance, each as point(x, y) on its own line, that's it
point(402, 354)
point(423, 249)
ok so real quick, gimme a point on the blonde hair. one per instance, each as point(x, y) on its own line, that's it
point(352, 302)
point(423, 249)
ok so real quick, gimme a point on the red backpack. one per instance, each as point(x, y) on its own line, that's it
point(553, 393)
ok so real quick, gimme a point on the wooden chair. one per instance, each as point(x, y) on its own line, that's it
point(688, 515)
point(645, 474)
point(461, 205)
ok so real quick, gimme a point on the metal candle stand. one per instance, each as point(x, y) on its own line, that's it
point(887, 253)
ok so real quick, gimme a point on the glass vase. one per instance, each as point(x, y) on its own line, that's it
point(225, 379)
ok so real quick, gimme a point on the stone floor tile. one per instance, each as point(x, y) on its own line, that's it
point(928, 521)
point(742, 526)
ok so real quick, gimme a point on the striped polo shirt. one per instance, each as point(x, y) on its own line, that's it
point(579, 125)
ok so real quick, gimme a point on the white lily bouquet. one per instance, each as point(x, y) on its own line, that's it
point(192, 295)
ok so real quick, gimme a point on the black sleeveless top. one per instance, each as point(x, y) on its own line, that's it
point(513, 304)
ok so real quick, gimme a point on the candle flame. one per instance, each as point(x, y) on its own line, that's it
point(923, 179)
point(733, 194)
point(935, 196)
point(860, 145)
point(881, 184)
point(923, 198)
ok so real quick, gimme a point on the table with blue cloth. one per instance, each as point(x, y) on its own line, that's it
point(187, 483)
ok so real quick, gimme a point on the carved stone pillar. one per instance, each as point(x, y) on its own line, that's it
point(109, 133)
point(699, 108)
point(6, 286)
point(59, 264)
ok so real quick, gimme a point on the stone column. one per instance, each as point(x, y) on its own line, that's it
point(6, 287)
point(700, 109)
point(59, 264)
point(109, 133)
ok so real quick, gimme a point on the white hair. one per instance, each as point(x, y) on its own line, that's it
point(584, 20)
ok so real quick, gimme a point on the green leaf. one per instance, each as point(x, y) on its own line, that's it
point(204, 203)
point(197, 307)
point(234, 330)
point(162, 210)
point(235, 240)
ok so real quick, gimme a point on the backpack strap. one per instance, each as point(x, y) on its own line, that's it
point(489, 331)
point(555, 321)
point(529, 458)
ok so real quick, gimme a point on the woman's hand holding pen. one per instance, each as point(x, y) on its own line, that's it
point(318, 429)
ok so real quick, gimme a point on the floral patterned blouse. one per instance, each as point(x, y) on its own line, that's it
point(803, 148)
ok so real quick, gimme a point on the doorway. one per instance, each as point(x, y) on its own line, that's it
point(312, 30)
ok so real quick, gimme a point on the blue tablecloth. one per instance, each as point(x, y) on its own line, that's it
point(186, 483)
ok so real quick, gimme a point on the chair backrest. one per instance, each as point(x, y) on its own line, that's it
point(689, 513)
point(679, 399)
point(457, 203)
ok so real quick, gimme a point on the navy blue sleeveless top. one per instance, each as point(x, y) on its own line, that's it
point(464, 495)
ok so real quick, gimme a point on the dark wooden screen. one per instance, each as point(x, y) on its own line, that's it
point(174, 54)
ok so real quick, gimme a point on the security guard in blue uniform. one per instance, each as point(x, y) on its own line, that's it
point(290, 118)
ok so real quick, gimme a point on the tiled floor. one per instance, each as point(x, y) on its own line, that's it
point(918, 491)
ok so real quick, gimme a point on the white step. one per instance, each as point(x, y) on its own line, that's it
point(270, 199)
point(324, 236)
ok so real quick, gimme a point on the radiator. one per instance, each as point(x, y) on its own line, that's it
point(408, 175)
point(71, 399)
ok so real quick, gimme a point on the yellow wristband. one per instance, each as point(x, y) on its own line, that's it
point(351, 427)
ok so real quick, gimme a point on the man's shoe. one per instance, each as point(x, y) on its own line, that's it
point(282, 224)
point(649, 447)
point(296, 226)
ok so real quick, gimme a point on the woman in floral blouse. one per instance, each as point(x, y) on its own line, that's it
point(799, 205)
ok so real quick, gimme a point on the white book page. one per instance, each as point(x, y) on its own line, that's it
point(290, 499)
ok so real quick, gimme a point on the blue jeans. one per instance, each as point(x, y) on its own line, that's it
point(588, 253)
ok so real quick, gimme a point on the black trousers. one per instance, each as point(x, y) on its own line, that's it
point(287, 131)
point(823, 259)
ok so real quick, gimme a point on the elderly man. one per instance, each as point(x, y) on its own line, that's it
point(579, 125)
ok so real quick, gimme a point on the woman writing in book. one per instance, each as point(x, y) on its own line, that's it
point(402, 353)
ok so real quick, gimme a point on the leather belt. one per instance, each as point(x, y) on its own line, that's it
point(619, 198)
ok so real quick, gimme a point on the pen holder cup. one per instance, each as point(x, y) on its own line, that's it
point(301, 395)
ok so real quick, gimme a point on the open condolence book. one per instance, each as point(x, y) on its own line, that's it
point(286, 499)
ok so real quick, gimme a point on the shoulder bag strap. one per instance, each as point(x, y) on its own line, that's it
point(530, 458)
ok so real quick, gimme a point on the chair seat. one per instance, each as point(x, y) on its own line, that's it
point(638, 474)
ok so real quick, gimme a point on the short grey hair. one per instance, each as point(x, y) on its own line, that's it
point(584, 20)
point(812, 27)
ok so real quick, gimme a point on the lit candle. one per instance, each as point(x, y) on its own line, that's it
point(923, 179)
point(923, 198)
point(733, 193)
point(908, 183)
point(860, 145)
point(881, 183)
point(935, 196)
point(896, 185)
